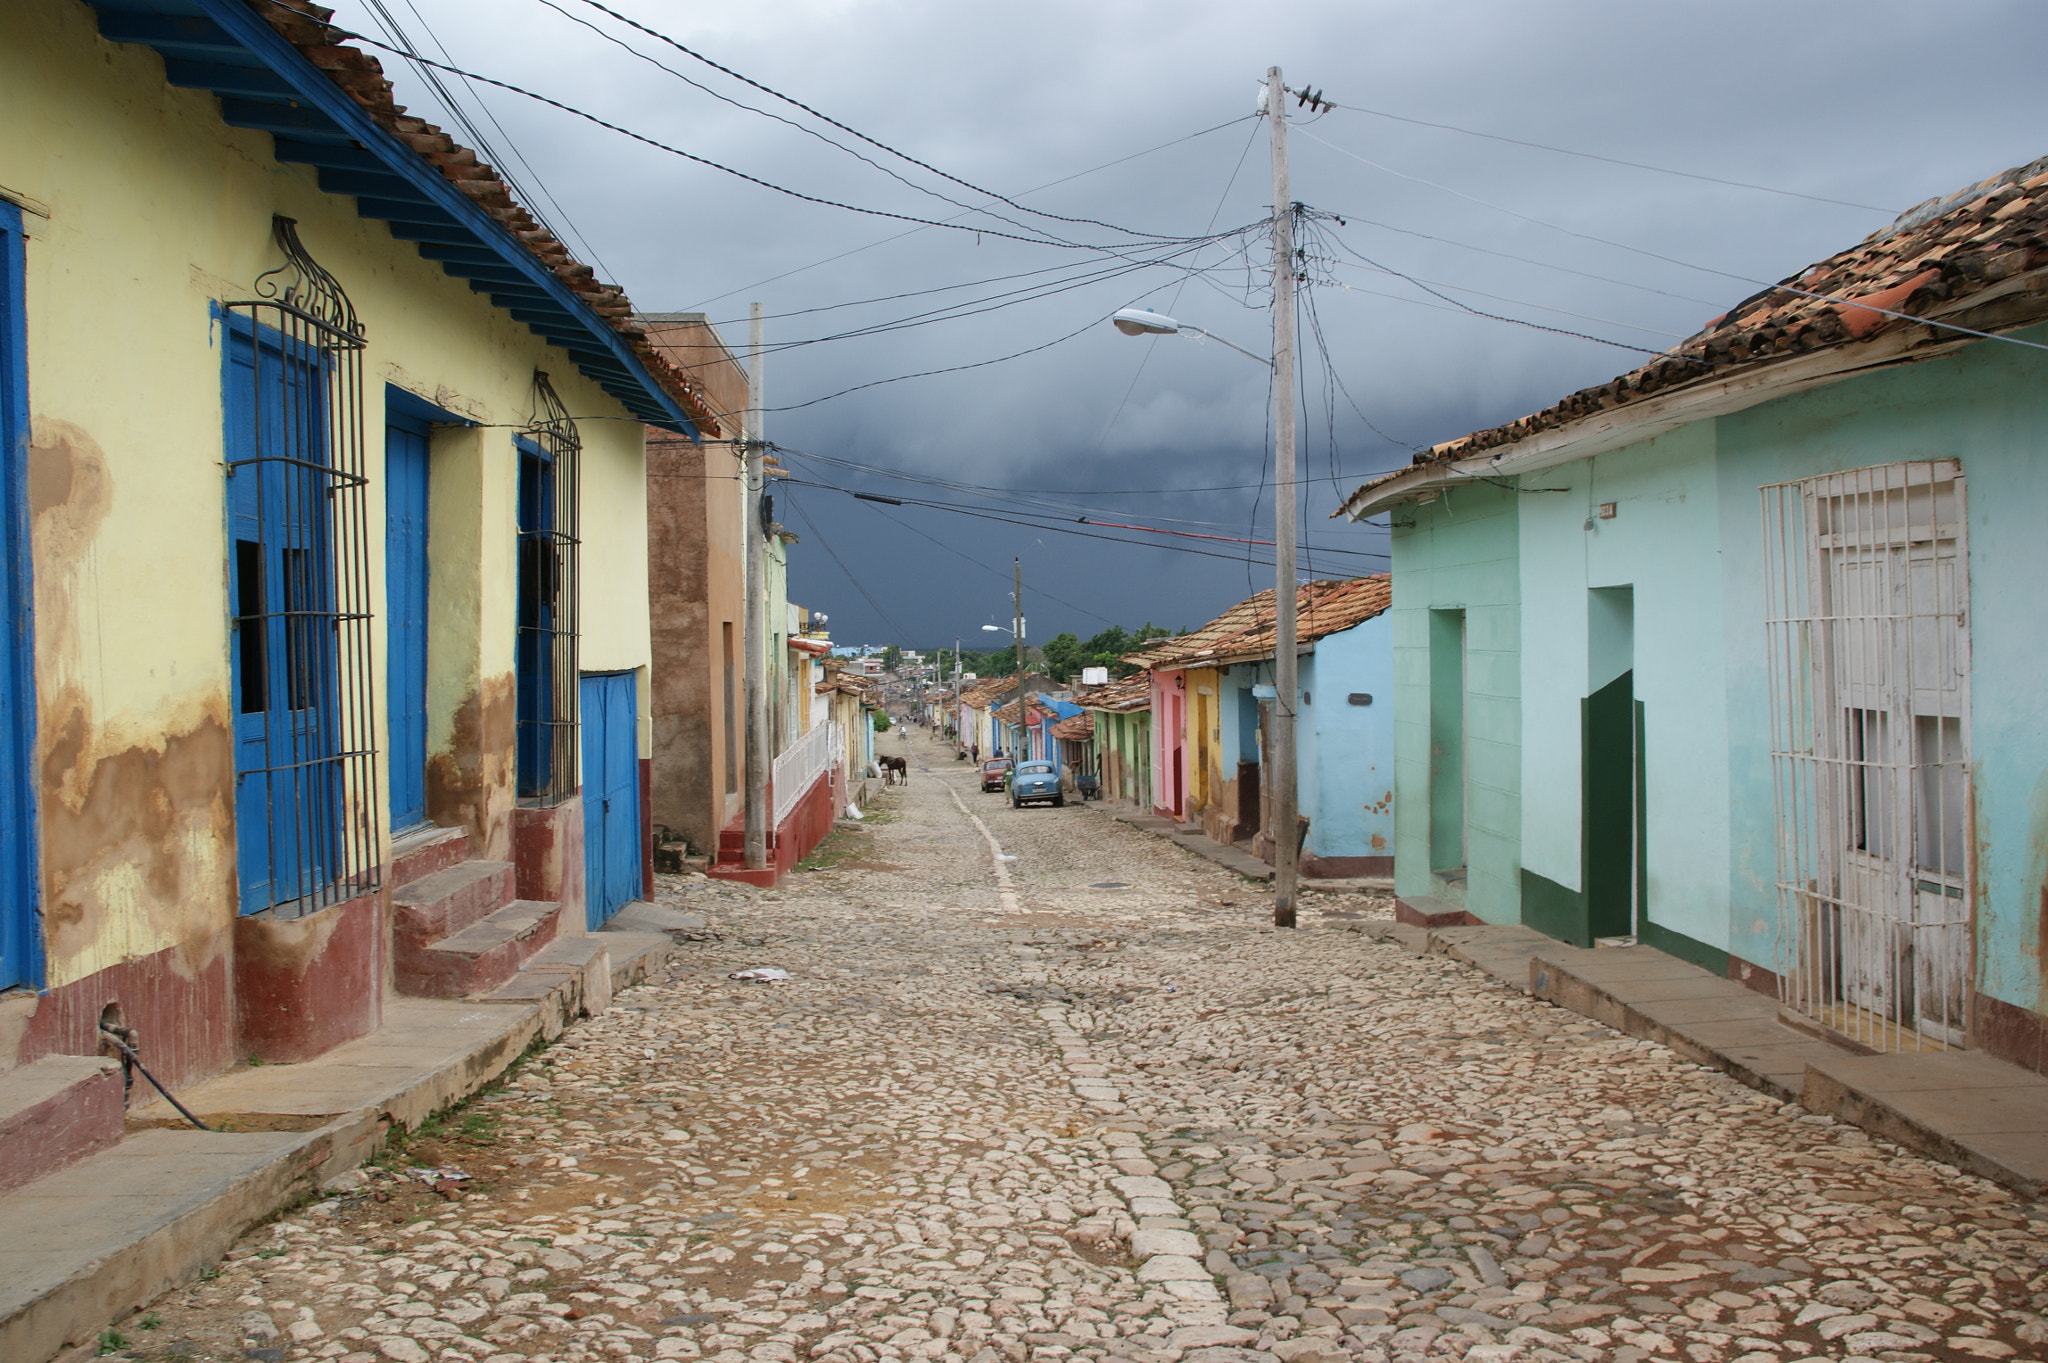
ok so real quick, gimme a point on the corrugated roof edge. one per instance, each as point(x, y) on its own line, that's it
point(1976, 258)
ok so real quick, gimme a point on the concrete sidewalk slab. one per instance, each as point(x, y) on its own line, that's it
point(104, 1237)
point(1974, 1112)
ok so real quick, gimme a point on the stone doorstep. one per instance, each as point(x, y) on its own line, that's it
point(56, 1111)
point(448, 901)
point(105, 1236)
point(424, 852)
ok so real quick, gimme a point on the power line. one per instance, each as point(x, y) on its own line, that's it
point(1614, 161)
point(1057, 528)
point(787, 122)
point(659, 145)
point(884, 241)
point(899, 522)
point(855, 132)
point(1499, 317)
point(887, 619)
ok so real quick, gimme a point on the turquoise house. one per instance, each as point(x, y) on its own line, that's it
point(1741, 654)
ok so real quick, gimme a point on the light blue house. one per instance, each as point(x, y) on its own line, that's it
point(1212, 702)
point(1742, 654)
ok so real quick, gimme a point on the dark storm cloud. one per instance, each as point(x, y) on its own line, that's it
point(1876, 104)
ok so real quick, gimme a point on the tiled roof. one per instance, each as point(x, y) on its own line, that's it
point(1077, 729)
point(1244, 633)
point(979, 694)
point(1120, 697)
point(361, 77)
point(1977, 258)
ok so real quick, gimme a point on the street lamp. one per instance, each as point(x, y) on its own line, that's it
point(1145, 322)
point(1286, 476)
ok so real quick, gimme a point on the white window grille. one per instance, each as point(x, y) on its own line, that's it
point(1867, 618)
point(801, 764)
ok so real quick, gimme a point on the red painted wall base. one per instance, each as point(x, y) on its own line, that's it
point(791, 840)
point(305, 985)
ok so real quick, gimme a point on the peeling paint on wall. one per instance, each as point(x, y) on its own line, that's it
point(470, 782)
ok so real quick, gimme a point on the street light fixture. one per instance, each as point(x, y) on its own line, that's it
point(1286, 479)
point(1145, 322)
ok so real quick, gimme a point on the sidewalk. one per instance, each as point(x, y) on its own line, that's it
point(1963, 1108)
point(105, 1236)
point(1231, 858)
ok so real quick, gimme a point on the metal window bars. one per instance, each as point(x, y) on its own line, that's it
point(306, 776)
point(547, 678)
point(1867, 601)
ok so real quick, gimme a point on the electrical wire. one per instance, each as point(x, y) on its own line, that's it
point(855, 132)
point(1055, 527)
point(1613, 160)
point(993, 571)
point(866, 595)
point(476, 136)
point(911, 232)
point(706, 162)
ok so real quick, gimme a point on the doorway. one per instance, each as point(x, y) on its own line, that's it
point(1611, 785)
point(406, 441)
point(611, 794)
point(1870, 671)
point(281, 584)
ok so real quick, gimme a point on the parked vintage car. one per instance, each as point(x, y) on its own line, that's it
point(1036, 781)
point(995, 773)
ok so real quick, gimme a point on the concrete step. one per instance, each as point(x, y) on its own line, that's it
point(419, 854)
point(55, 1112)
point(481, 956)
point(1963, 1107)
point(448, 901)
point(1428, 911)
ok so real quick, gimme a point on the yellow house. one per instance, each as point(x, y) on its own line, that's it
point(325, 546)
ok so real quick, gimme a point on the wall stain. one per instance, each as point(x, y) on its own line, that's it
point(470, 783)
point(145, 828)
point(69, 495)
point(2034, 934)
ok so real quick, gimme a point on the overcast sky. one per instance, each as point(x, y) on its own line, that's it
point(1874, 105)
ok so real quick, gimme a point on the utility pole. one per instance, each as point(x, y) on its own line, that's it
point(756, 616)
point(1017, 600)
point(1286, 479)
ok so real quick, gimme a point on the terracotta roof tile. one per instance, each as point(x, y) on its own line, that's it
point(1977, 258)
point(1244, 633)
point(1075, 728)
point(1121, 697)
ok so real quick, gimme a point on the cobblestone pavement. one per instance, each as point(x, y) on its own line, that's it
point(1083, 1104)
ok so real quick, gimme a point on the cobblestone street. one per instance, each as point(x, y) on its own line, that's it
point(1042, 1086)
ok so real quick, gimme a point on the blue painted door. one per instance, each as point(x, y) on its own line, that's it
point(405, 607)
point(534, 649)
point(20, 933)
point(611, 794)
point(281, 571)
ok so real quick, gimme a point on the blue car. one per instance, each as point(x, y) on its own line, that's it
point(1036, 781)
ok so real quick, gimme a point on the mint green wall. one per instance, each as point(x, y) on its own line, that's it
point(1663, 543)
point(1988, 407)
point(1459, 553)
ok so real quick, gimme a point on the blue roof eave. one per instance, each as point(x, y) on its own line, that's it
point(320, 112)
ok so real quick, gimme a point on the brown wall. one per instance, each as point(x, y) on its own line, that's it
point(695, 590)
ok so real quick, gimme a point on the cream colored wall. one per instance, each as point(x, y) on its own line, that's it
point(159, 211)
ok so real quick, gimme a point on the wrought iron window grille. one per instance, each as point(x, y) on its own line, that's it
point(306, 767)
point(546, 666)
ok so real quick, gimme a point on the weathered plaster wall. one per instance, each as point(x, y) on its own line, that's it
point(1353, 770)
point(1664, 543)
point(1459, 553)
point(1988, 406)
point(158, 212)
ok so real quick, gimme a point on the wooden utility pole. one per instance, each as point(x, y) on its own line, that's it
point(756, 616)
point(1286, 480)
point(1018, 634)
